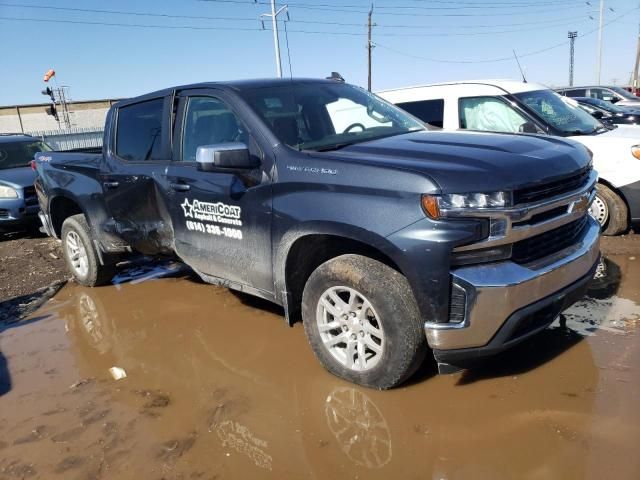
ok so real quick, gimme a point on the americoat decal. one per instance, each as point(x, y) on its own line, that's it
point(213, 218)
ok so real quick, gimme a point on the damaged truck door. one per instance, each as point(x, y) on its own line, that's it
point(220, 193)
point(136, 157)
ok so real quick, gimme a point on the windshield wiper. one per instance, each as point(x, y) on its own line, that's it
point(335, 146)
point(577, 132)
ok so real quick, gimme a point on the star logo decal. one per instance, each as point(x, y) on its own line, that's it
point(188, 208)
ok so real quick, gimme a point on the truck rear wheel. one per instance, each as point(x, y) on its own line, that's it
point(609, 210)
point(80, 255)
point(362, 321)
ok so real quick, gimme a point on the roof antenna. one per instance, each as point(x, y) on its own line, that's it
point(524, 79)
point(336, 76)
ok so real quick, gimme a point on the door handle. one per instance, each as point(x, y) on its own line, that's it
point(111, 184)
point(180, 187)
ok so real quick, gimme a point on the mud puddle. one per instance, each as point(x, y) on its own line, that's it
point(214, 385)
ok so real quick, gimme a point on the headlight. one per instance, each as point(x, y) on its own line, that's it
point(8, 192)
point(433, 205)
point(635, 151)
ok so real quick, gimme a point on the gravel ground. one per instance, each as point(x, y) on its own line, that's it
point(31, 270)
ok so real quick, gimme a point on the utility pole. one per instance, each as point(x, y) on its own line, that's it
point(274, 25)
point(572, 40)
point(599, 59)
point(369, 47)
point(634, 81)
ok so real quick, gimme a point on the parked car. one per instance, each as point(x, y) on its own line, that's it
point(18, 201)
point(611, 94)
point(518, 107)
point(608, 112)
point(317, 195)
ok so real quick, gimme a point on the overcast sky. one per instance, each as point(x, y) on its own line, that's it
point(417, 41)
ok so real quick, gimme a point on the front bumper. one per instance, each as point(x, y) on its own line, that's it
point(15, 213)
point(507, 302)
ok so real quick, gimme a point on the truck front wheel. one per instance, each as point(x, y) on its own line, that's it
point(80, 255)
point(362, 321)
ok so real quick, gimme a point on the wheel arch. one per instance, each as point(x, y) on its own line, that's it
point(305, 250)
point(62, 207)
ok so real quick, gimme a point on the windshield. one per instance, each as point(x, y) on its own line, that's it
point(608, 106)
point(326, 116)
point(20, 154)
point(625, 94)
point(562, 113)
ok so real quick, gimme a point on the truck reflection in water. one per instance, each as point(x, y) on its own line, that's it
point(358, 427)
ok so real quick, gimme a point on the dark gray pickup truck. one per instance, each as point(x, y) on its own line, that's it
point(389, 241)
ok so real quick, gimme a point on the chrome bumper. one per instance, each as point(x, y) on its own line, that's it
point(495, 291)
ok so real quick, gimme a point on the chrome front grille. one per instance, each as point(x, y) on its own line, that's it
point(535, 229)
point(549, 242)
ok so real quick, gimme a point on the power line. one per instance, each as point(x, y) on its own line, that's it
point(509, 3)
point(193, 27)
point(434, 34)
point(135, 25)
point(347, 9)
point(249, 19)
point(503, 59)
point(309, 32)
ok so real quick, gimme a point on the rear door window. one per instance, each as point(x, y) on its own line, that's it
point(429, 111)
point(139, 131)
point(575, 92)
point(603, 94)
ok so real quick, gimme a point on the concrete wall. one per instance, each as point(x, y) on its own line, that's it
point(27, 118)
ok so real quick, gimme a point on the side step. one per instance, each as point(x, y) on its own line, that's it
point(448, 369)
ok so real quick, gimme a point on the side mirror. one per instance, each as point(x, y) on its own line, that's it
point(224, 155)
point(597, 114)
point(528, 127)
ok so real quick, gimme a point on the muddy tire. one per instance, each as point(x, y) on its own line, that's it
point(80, 255)
point(610, 211)
point(362, 321)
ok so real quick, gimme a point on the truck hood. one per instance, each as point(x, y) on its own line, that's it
point(464, 162)
point(17, 177)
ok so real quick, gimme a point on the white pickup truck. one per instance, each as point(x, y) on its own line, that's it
point(517, 107)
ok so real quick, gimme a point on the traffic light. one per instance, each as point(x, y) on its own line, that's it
point(53, 111)
point(49, 92)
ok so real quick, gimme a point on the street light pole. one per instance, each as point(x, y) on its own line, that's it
point(369, 48)
point(572, 39)
point(599, 59)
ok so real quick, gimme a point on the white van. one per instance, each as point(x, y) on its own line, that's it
point(510, 106)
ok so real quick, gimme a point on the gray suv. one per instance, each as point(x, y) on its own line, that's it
point(613, 94)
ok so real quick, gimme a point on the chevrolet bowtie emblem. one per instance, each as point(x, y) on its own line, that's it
point(580, 205)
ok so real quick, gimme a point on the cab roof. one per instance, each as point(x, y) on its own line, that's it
point(236, 85)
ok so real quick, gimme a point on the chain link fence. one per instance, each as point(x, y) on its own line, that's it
point(71, 139)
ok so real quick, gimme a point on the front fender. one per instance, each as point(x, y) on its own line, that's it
point(336, 229)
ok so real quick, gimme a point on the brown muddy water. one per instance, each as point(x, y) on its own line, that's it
point(218, 387)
